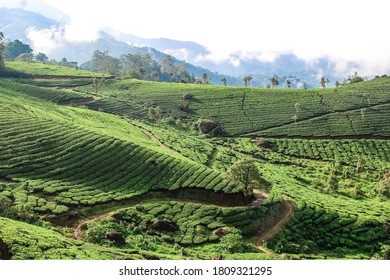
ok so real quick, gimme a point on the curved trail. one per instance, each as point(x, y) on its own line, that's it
point(288, 210)
point(270, 233)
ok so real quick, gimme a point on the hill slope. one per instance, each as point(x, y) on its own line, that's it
point(65, 168)
point(355, 110)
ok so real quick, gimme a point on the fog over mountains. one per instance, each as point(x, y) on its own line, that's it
point(50, 36)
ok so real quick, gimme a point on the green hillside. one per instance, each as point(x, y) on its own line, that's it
point(348, 111)
point(78, 161)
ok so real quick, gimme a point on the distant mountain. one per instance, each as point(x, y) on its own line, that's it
point(14, 23)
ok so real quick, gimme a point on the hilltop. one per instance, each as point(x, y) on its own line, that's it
point(78, 161)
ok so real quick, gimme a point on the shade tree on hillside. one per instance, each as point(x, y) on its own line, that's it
point(224, 81)
point(246, 173)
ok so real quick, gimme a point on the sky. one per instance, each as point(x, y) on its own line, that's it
point(341, 30)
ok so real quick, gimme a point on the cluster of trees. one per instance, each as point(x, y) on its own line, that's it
point(352, 79)
point(16, 50)
point(139, 66)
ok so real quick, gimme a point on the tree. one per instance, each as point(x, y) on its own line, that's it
point(142, 72)
point(25, 57)
point(246, 173)
point(288, 83)
point(337, 84)
point(224, 81)
point(15, 48)
point(323, 82)
point(247, 80)
point(383, 189)
point(155, 75)
point(205, 78)
point(41, 57)
point(2, 48)
point(168, 65)
point(304, 85)
point(96, 82)
point(274, 81)
point(355, 78)
point(154, 113)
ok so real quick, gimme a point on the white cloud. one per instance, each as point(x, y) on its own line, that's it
point(267, 56)
point(45, 40)
point(182, 53)
point(348, 30)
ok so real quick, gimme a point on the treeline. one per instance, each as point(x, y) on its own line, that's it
point(139, 66)
point(18, 51)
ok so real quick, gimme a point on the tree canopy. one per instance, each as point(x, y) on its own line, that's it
point(246, 173)
point(15, 48)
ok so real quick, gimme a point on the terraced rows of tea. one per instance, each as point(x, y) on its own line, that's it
point(80, 164)
point(353, 110)
point(77, 162)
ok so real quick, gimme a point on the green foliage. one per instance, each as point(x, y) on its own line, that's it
point(324, 82)
point(355, 78)
point(63, 158)
point(2, 49)
point(233, 243)
point(28, 242)
point(15, 48)
point(41, 57)
point(259, 112)
point(247, 174)
point(383, 189)
point(155, 114)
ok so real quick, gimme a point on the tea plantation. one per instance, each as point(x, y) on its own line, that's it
point(80, 160)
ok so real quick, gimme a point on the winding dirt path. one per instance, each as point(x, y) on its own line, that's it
point(288, 210)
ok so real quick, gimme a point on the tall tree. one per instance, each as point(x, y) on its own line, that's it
point(205, 78)
point(323, 82)
point(155, 75)
point(288, 83)
point(224, 81)
point(15, 48)
point(247, 80)
point(2, 48)
point(41, 57)
point(274, 81)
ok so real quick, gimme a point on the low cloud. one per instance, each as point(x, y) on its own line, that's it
point(48, 40)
